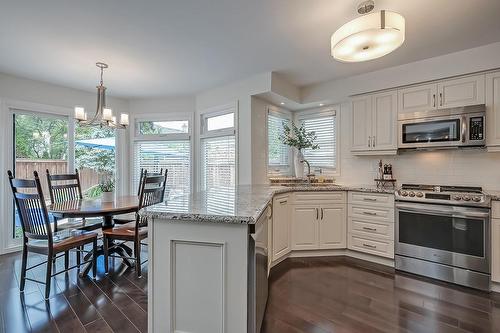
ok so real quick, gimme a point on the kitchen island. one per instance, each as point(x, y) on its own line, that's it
point(206, 258)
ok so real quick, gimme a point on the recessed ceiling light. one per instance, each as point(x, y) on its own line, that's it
point(370, 36)
point(321, 104)
point(282, 103)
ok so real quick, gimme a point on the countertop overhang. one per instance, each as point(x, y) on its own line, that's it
point(239, 205)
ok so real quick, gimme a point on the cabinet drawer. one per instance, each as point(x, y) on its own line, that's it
point(380, 214)
point(371, 199)
point(371, 229)
point(319, 197)
point(372, 246)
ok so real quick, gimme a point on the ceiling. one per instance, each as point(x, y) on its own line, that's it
point(163, 48)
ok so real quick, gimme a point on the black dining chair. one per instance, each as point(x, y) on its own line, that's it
point(127, 218)
point(152, 191)
point(66, 187)
point(38, 236)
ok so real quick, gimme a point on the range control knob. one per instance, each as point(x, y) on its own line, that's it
point(411, 194)
point(420, 194)
point(457, 197)
point(476, 199)
point(466, 198)
point(404, 193)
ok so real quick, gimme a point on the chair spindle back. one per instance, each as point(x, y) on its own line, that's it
point(64, 187)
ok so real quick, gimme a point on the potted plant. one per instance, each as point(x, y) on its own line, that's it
point(300, 139)
point(107, 188)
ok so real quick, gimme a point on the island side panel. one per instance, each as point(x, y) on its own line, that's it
point(198, 277)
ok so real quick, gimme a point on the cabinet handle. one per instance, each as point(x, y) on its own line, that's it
point(317, 213)
point(370, 213)
point(434, 100)
point(321, 213)
point(373, 143)
point(283, 202)
point(369, 199)
point(369, 229)
point(440, 99)
point(369, 246)
point(369, 141)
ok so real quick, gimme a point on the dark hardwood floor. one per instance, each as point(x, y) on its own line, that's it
point(342, 295)
point(113, 303)
point(311, 295)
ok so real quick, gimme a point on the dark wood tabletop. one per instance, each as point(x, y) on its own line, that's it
point(94, 207)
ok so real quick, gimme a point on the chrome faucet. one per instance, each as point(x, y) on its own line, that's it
point(309, 174)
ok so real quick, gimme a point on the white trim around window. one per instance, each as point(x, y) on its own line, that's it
point(281, 169)
point(136, 137)
point(316, 114)
point(219, 134)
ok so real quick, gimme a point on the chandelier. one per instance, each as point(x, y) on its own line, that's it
point(103, 115)
point(370, 36)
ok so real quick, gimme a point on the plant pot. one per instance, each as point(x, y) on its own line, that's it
point(108, 196)
point(299, 166)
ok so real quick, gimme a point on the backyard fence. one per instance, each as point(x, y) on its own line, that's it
point(25, 168)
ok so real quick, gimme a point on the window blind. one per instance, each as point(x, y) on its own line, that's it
point(325, 130)
point(218, 155)
point(175, 156)
point(278, 153)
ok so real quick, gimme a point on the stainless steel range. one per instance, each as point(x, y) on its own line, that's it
point(443, 232)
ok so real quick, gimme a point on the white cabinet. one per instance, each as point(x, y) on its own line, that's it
point(361, 123)
point(319, 221)
point(463, 91)
point(332, 227)
point(495, 241)
point(281, 226)
point(493, 111)
point(305, 227)
point(374, 124)
point(371, 223)
point(418, 98)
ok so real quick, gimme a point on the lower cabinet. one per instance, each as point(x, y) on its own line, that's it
point(495, 250)
point(280, 226)
point(318, 227)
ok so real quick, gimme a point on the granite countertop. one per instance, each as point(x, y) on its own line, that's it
point(243, 204)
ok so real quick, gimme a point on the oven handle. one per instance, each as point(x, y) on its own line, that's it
point(459, 212)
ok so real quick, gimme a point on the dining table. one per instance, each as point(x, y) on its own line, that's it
point(88, 208)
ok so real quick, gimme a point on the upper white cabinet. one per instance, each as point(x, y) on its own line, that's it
point(463, 91)
point(416, 99)
point(493, 111)
point(374, 124)
point(281, 226)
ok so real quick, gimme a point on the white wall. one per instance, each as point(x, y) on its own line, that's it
point(467, 61)
point(37, 94)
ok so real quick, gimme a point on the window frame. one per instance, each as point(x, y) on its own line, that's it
point(319, 113)
point(138, 137)
point(203, 115)
point(280, 171)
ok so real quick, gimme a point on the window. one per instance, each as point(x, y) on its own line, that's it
point(218, 148)
point(278, 153)
point(165, 145)
point(324, 124)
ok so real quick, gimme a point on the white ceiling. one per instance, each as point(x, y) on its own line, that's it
point(160, 47)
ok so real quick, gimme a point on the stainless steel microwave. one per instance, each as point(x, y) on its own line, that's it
point(443, 128)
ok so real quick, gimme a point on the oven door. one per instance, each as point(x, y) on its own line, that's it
point(451, 235)
point(446, 131)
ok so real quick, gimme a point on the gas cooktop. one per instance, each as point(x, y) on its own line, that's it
point(443, 194)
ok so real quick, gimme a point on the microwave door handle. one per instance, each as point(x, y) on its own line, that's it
point(464, 129)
